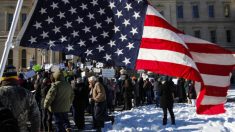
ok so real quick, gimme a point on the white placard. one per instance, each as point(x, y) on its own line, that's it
point(62, 66)
point(81, 66)
point(88, 63)
point(83, 74)
point(96, 70)
point(29, 74)
point(109, 73)
point(140, 71)
point(89, 67)
point(175, 80)
point(144, 76)
point(55, 68)
point(48, 66)
point(99, 65)
point(69, 57)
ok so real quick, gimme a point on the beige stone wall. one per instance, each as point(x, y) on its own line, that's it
point(168, 8)
point(205, 24)
point(8, 6)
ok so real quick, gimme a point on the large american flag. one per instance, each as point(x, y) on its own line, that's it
point(131, 33)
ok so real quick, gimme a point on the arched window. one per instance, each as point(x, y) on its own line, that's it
point(23, 58)
point(10, 58)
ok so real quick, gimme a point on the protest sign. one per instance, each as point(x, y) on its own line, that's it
point(109, 73)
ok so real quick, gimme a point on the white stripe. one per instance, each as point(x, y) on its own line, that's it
point(233, 55)
point(213, 100)
point(191, 39)
point(152, 11)
point(218, 81)
point(197, 86)
point(162, 33)
point(23, 29)
point(166, 56)
point(218, 59)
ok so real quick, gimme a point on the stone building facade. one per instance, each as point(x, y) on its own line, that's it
point(212, 20)
point(21, 57)
point(167, 8)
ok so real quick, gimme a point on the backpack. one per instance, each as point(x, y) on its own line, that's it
point(8, 123)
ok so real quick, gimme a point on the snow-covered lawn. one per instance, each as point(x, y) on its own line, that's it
point(149, 119)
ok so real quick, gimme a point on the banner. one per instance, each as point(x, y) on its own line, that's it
point(37, 68)
point(29, 74)
point(109, 73)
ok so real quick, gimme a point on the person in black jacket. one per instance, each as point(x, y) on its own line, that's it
point(192, 95)
point(166, 99)
point(79, 102)
point(46, 114)
point(127, 89)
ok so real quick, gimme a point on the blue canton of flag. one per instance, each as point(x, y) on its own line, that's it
point(108, 31)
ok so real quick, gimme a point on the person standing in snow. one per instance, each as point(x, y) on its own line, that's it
point(192, 94)
point(99, 100)
point(166, 93)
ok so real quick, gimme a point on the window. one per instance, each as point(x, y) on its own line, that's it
point(228, 36)
point(180, 11)
point(213, 36)
point(9, 21)
point(211, 11)
point(10, 58)
point(23, 58)
point(227, 10)
point(197, 33)
point(195, 11)
point(23, 18)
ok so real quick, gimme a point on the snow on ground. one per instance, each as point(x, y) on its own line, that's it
point(231, 94)
point(149, 119)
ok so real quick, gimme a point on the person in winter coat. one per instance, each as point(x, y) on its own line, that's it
point(166, 99)
point(21, 80)
point(148, 88)
point(127, 93)
point(192, 94)
point(46, 114)
point(20, 101)
point(99, 99)
point(59, 100)
point(141, 90)
point(136, 91)
point(156, 91)
point(79, 102)
point(181, 91)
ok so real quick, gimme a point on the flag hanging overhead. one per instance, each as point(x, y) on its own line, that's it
point(128, 33)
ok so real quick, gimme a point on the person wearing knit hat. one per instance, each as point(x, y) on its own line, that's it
point(20, 101)
point(58, 100)
point(9, 76)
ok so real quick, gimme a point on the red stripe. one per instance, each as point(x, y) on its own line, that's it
point(216, 91)
point(156, 21)
point(170, 69)
point(212, 69)
point(160, 44)
point(207, 48)
point(211, 109)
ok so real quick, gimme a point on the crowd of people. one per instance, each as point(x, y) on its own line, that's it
point(54, 94)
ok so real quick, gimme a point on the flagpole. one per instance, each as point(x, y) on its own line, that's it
point(10, 36)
